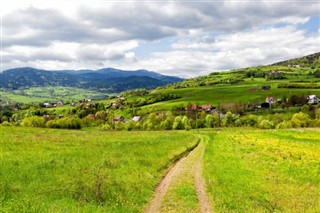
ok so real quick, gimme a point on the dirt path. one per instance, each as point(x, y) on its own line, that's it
point(175, 173)
point(199, 182)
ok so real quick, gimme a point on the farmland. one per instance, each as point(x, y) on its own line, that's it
point(245, 170)
point(47, 94)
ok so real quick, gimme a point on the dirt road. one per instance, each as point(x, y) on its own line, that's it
point(190, 165)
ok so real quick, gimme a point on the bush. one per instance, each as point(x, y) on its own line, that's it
point(106, 127)
point(33, 121)
point(5, 123)
point(300, 120)
point(266, 124)
point(64, 123)
point(284, 125)
point(177, 124)
point(229, 120)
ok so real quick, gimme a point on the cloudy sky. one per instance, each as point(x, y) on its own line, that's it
point(184, 38)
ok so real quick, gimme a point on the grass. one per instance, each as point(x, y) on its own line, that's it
point(181, 195)
point(244, 92)
point(42, 94)
point(89, 171)
point(263, 171)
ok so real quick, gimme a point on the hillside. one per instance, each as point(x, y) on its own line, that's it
point(107, 79)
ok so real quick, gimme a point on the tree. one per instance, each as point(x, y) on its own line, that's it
point(229, 119)
point(300, 120)
point(177, 124)
point(186, 123)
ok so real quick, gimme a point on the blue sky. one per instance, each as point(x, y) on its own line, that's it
point(182, 38)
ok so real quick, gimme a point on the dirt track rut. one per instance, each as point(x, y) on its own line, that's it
point(177, 170)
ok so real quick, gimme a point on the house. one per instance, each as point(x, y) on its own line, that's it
point(46, 117)
point(118, 119)
point(267, 87)
point(60, 116)
point(274, 72)
point(265, 105)
point(270, 100)
point(192, 107)
point(47, 105)
point(122, 99)
point(59, 104)
point(207, 107)
point(114, 105)
point(136, 118)
point(313, 99)
point(279, 100)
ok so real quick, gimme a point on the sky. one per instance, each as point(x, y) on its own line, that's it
point(183, 38)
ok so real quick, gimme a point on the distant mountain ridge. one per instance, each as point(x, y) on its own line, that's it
point(106, 79)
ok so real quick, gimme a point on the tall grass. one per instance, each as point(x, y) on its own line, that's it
point(264, 171)
point(84, 171)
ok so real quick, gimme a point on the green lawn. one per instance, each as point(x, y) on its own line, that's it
point(263, 171)
point(88, 171)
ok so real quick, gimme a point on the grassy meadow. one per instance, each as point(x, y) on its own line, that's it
point(263, 171)
point(43, 94)
point(46, 170)
point(244, 92)
point(246, 170)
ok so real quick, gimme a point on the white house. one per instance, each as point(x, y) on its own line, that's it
point(136, 118)
point(313, 99)
point(270, 100)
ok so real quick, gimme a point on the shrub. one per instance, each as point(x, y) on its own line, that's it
point(266, 124)
point(186, 123)
point(5, 123)
point(284, 125)
point(33, 121)
point(230, 119)
point(300, 120)
point(64, 123)
point(177, 124)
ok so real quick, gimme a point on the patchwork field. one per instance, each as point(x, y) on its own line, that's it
point(245, 170)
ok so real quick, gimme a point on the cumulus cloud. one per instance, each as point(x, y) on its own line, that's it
point(205, 36)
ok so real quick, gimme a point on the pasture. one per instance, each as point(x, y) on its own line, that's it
point(263, 171)
point(245, 170)
point(45, 170)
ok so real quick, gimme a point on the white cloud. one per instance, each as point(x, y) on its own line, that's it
point(231, 51)
point(209, 36)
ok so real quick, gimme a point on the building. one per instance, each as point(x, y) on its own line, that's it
point(136, 118)
point(118, 119)
point(313, 99)
point(270, 100)
point(207, 107)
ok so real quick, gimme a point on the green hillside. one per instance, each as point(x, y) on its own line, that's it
point(298, 77)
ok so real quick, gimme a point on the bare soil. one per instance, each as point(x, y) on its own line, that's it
point(174, 172)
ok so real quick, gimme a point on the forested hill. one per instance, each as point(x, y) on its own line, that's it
point(107, 79)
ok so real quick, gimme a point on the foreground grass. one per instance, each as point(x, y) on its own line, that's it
point(263, 171)
point(89, 171)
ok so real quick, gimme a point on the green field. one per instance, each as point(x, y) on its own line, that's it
point(245, 92)
point(88, 171)
point(246, 170)
point(264, 171)
point(47, 94)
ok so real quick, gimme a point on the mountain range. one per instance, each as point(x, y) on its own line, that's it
point(106, 79)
